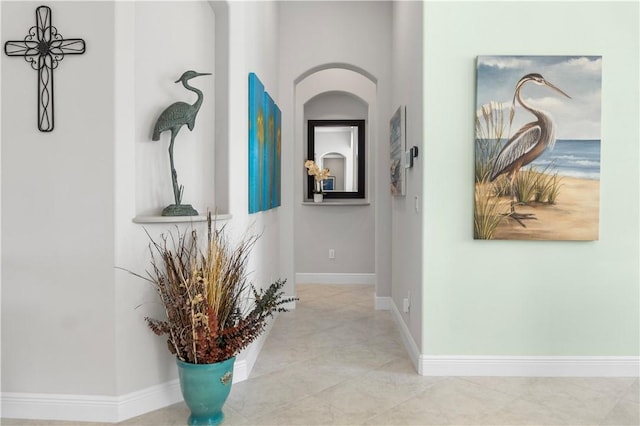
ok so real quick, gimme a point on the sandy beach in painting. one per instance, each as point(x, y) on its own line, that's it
point(574, 216)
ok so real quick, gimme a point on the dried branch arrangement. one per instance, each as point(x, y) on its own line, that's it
point(212, 311)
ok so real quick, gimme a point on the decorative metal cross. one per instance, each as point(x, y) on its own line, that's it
point(43, 48)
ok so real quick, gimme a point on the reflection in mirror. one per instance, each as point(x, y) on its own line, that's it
point(336, 163)
point(338, 145)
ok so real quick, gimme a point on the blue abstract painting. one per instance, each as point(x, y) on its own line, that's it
point(267, 156)
point(277, 169)
point(264, 148)
point(256, 142)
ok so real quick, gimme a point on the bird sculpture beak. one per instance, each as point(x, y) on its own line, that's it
point(196, 75)
point(556, 88)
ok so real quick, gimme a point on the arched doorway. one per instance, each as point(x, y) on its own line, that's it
point(348, 230)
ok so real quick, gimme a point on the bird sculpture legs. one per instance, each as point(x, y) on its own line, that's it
point(518, 217)
point(177, 209)
point(177, 190)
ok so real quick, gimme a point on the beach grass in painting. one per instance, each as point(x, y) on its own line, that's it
point(557, 194)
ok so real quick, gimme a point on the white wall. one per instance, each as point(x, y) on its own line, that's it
point(253, 49)
point(339, 106)
point(148, 60)
point(406, 225)
point(304, 47)
point(347, 230)
point(171, 38)
point(247, 21)
point(71, 325)
point(522, 297)
point(57, 215)
point(253, 36)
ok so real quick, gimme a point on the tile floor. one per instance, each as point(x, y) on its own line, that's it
point(337, 361)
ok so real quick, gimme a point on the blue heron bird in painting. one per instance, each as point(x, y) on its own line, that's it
point(528, 143)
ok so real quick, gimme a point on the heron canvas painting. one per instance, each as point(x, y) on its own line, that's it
point(397, 148)
point(537, 147)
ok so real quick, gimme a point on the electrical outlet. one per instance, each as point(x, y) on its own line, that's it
point(406, 303)
point(332, 254)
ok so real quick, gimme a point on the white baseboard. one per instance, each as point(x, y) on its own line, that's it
point(514, 366)
point(90, 408)
point(141, 402)
point(382, 303)
point(59, 407)
point(111, 409)
point(242, 368)
point(321, 278)
point(530, 366)
point(407, 338)
point(290, 306)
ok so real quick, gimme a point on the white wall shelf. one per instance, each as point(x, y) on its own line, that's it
point(334, 203)
point(179, 219)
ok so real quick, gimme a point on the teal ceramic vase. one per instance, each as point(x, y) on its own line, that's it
point(205, 388)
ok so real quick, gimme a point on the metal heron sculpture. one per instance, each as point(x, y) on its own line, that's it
point(528, 143)
point(173, 118)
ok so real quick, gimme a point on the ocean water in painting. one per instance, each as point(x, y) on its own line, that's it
point(572, 158)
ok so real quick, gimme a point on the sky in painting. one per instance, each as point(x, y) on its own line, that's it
point(578, 76)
